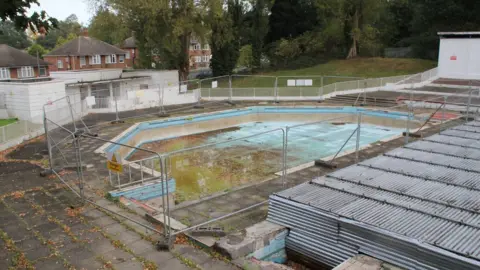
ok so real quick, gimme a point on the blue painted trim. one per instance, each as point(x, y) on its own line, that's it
point(249, 110)
point(146, 192)
point(274, 251)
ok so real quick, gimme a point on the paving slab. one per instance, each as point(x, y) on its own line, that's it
point(130, 265)
point(116, 256)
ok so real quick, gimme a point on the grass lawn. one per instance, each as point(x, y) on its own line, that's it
point(364, 67)
point(4, 122)
point(360, 67)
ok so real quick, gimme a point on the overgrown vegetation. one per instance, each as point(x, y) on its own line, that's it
point(4, 122)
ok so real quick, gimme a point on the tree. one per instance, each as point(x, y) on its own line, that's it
point(108, 26)
point(360, 16)
point(165, 27)
point(69, 26)
point(12, 37)
point(16, 11)
point(37, 49)
point(259, 30)
point(290, 18)
point(61, 40)
point(224, 40)
point(245, 59)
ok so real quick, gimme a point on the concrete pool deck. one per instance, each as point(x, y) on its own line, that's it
point(119, 227)
point(214, 207)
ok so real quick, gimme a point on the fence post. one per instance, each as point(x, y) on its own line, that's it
point(320, 94)
point(49, 147)
point(407, 128)
point(275, 91)
point(335, 88)
point(468, 105)
point(4, 135)
point(365, 93)
point(117, 119)
point(230, 94)
point(25, 127)
point(443, 112)
point(71, 112)
point(357, 147)
point(285, 156)
point(321, 81)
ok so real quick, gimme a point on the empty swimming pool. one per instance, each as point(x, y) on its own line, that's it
point(219, 151)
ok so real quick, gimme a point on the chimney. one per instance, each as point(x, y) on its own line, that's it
point(85, 32)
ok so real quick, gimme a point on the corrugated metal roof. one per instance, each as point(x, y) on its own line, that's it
point(424, 197)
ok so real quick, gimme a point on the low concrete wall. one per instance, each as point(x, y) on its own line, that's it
point(262, 239)
point(25, 100)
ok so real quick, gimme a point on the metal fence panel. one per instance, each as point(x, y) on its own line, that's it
point(246, 165)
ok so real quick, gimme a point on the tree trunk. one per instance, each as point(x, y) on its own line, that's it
point(184, 67)
point(352, 53)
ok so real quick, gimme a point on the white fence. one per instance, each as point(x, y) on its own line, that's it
point(158, 96)
point(314, 91)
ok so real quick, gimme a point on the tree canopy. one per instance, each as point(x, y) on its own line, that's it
point(65, 31)
point(108, 26)
point(16, 12)
point(281, 33)
point(12, 36)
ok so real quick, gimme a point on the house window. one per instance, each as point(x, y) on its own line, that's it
point(4, 73)
point(25, 72)
point(143, 86)
point(121, 58)
point(83, 61)
point(206, 47)
point(42, 71)
point(206, 58)
point(95, 60)
point(196, 47)
point(198, 59)
point(127, 55)
point(59, 63)
point(111, 59)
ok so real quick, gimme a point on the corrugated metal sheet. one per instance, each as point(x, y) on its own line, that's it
point(449, 150)
point(417, 207)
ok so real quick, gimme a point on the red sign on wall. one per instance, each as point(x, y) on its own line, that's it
point(453, 58)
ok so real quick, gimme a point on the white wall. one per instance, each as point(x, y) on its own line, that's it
point(467, 63)
point(159, 77)
point(87, 75)
point(25, 100)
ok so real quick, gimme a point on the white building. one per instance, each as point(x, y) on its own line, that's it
point(111, 89)
point(459, 56)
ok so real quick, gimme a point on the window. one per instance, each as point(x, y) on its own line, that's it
point(127, 55)
point(111, 59)
point(42, 71)
point(4, 73)
point(143, 86)
point(25, 72)
point(206, 47)
point(198, 59)
point(196, 47)
point(83, 62)
point(121, 58)
point(59, 63)
point(95, 60)
point(206, 58)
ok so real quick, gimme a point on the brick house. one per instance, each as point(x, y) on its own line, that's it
point(131, 51)
point(18, 65)
point(86, 53)
point(199, 54)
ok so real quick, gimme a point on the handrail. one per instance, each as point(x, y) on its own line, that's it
point(431, 116)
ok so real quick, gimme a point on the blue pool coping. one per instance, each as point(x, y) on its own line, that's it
point(181, 120)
